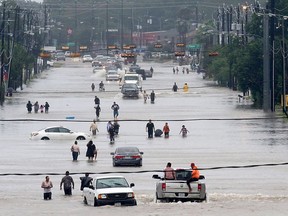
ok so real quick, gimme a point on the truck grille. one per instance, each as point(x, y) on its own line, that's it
point(117, 196)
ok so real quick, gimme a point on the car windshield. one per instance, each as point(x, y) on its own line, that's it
point(131, 78)
point(111, 183)
point(130, 85)
point(112, 72)
point(126, 150)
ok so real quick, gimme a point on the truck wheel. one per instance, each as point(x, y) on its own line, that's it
point(205, 198)
point(95, 202)
point(156, 198)
point(85, 201)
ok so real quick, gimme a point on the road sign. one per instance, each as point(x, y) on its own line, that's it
point(194, 46)
point(71, 44)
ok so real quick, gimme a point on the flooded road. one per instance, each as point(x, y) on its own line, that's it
point(222, 132)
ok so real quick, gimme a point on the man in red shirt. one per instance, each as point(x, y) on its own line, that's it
point(195, 174)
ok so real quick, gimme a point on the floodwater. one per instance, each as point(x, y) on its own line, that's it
point(223, 131)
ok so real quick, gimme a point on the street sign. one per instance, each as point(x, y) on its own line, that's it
point(180, 44)
point(83, 47)
point(157, 45)
point(112, 47)
point(194, 46)
point(179, 53)
point(71, 44)
point(65, 47)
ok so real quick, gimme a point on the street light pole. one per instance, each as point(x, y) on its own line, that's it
point(122, 25)
point(284, 65)
point(107, 25)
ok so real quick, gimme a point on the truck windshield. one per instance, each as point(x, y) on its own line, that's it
point(111, 183)
point(131, 78)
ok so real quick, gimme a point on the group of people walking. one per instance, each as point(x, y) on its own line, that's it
point(150, 129)
point(184, 69)
point(175, 87)
point(115, 107)
point(146, 96)
point(91, 152)
point(37, 107)
point(67, 184)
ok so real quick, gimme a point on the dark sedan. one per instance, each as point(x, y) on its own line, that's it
point(130, 156)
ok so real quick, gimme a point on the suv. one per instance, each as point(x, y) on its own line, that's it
point(130, 90)
point(60, 56)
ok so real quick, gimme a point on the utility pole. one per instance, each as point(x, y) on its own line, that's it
point(271, 42)
point(218, 25)
point(107, 26)
point(284, 65)
point(122, 25)
point(223, 27)
point(2, 87)
point(266, 65)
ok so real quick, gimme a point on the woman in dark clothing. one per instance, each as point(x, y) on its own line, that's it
point(91, 148)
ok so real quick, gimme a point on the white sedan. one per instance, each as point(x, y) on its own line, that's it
point(112, 75)
point(87, 58)
point(109, 190)
point(58, 132)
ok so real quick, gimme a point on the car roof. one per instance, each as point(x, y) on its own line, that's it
point(126, 148)
point(106, 177)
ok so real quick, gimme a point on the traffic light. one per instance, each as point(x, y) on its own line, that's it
point(213, 54)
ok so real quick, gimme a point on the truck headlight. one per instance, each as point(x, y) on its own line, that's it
point(130, 195)
point(102, 196)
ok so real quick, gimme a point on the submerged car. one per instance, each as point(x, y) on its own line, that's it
point(87, 58)
point(109, 190)
point(58, 133)
point(60, 56)
point(112, 75)
point(130, 156)
point(130, 90)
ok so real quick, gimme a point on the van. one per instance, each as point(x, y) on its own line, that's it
point(133, 78)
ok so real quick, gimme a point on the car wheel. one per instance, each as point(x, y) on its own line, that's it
point(95, 202)
point(114, 164)
point(135, 203)
point(85, 200)
point(140, 163)
point(80, 138)
point(45, 138)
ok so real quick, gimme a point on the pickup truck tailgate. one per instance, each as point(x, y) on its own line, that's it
point(180, 186)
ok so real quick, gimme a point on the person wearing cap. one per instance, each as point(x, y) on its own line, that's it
point(68, 182)
point(195, 174)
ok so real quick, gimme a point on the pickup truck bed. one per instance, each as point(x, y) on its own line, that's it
point(177, 190)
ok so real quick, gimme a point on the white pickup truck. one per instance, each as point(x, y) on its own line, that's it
point(109, 190)
point(177, 190)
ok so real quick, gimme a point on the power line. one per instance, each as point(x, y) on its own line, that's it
point(147, 171)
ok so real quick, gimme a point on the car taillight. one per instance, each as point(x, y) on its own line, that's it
point(119, 157)
point(199, 187)
point(163, 186)
point(136, 156)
